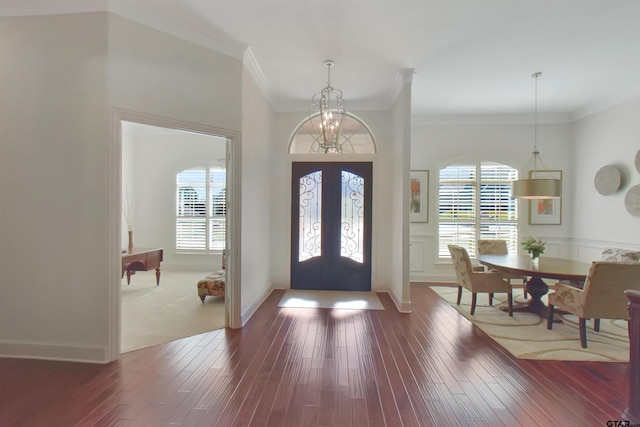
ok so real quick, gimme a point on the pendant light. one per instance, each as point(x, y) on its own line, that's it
point(327, 114)
point(537, 186)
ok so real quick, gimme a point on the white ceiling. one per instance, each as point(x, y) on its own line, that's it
point(472, 57)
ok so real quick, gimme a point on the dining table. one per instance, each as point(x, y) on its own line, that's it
point(545, 268)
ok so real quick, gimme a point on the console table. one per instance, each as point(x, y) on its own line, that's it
point(141, 259)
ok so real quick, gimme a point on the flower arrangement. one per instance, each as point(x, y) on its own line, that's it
point(534, 246)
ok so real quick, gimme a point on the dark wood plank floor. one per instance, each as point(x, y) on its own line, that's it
point(318, 367)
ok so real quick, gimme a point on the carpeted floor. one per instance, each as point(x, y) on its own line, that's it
point(153, 314)
point(525, 335)
point(294, 298)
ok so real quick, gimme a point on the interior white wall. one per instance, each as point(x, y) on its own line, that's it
point(609, 137)
point(156, 73)
point(399, 196)
point(155, 161)
point(53, 119)
point(380, 123)
point(61, 76)
point(435, 146)
point(257, 196)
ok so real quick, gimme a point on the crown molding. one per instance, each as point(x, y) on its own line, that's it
point(252, 66)
point(48, 7)
point(220, 42)
point(202, 37)
point(606, 103)
point(403, 77)
point(489, 119)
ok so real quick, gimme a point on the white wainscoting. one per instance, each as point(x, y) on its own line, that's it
point(591, 250)
point(424, 265)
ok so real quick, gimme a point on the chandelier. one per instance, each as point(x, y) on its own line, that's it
point(327, 114)
point(537, 186)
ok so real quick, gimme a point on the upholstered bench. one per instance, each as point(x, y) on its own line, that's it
point(214, 283)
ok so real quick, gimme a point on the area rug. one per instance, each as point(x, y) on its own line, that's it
point(345, 300)
point(154, 315)
point(525, 335)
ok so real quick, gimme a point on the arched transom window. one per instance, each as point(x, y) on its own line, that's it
point(356, 138)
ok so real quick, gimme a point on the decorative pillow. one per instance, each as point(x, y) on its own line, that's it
point(620, 255)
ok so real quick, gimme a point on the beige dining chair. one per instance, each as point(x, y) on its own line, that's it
point(475, 281)
point(610, 254)
point(602, 296)
point(499, 247)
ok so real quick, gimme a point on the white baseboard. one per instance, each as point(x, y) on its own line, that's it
point(433, 278)
point(246, 315)
point(53, 351)
point(403, 307)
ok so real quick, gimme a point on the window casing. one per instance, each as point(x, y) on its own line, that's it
point(201, 207)
point(474, 203)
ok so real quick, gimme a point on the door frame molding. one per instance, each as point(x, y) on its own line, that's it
point(233, 289)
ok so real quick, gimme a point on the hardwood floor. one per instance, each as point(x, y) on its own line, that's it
point(317, 367)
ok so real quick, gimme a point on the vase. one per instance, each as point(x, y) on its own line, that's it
point(130, 247)
point(535, 258)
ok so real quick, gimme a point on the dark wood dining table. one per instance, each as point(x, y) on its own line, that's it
point(546, 268)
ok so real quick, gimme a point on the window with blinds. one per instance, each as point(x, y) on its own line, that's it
point(201, 207)
point(474, 203)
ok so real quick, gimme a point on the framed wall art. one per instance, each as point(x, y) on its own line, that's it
point(419, 209)
point(546, 211)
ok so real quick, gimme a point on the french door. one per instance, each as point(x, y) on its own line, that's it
point(331, 226)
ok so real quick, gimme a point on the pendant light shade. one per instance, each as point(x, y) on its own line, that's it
point(537, 186)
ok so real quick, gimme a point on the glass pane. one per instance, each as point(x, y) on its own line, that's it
point(457, 193)
point(218, 190)
point(501, 231)
point(355, 138)
point(460, 234)
point(191, 233)
point(217, 234)
point(310, 223)
point(352, 217)
point(496, 203)
point(192, 193)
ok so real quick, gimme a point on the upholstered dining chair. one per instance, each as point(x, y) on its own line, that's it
point(499, 247)
point(476, 281)
point(610, 254)
point(602, 296)
point(620, 255)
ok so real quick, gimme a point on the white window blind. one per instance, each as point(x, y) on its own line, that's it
point(474, 203)
point(201, 209)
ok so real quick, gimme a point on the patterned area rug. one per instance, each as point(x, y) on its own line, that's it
point(154, 315)
point(525, 335)
point(294, 298)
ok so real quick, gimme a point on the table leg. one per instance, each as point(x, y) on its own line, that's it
point(158, 276)
point(536, 288)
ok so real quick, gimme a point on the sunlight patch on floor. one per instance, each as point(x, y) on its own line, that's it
point(343, 300)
